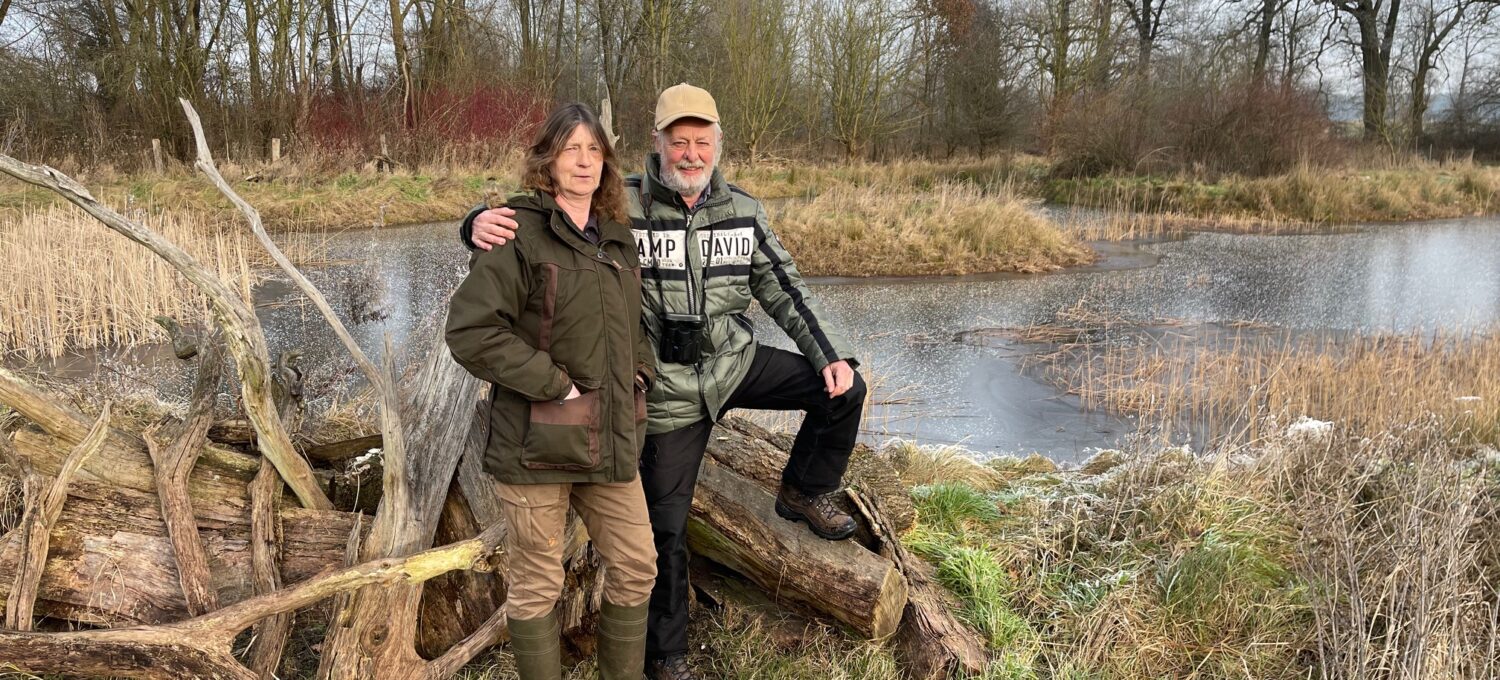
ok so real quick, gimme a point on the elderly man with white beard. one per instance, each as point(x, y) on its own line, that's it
point(706, 251)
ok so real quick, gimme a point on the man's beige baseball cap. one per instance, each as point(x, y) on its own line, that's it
point(684, 101)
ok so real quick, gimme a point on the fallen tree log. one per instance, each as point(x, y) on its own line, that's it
point(110, 561)
point(733, 523)
point(759, 455)
point(200, 647)
point(931, 642)
point(43, 507)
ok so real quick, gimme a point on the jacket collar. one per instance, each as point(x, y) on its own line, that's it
point(718, 189)
point(557, 220)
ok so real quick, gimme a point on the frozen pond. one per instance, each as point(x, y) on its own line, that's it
point(938, 390)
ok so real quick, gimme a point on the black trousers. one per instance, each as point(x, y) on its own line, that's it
point(778, 381)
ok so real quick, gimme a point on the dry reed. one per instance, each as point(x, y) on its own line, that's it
point(1250, 384)
point(1411, 190)
point(953, 228)
point(68, 283)
point(790, 179)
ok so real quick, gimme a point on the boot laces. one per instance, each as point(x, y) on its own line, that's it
point(823, 505)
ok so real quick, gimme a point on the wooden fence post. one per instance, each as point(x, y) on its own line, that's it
point(156, 158)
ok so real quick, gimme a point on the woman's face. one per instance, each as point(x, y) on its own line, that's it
point(577, 168)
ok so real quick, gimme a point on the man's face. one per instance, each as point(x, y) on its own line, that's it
point(688, 148)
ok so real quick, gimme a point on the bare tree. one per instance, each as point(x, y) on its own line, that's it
point(1375, 24)
point(1146, 19)
point(856, 70)
point(1436, 20)
point(759, 40)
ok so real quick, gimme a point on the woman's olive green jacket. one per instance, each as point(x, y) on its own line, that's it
point(539, 314)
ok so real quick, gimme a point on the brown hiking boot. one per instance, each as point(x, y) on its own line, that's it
point(674, 667)
point(822, 516)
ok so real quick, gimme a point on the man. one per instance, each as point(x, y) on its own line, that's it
point(706, 250)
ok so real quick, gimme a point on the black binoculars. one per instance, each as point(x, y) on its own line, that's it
point(681, 338)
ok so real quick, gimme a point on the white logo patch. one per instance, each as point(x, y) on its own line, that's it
point(665, 249)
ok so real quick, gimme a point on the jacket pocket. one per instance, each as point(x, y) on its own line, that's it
point(563, 435)
point(640, 405)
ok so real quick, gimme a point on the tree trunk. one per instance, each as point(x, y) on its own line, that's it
point(1265, 22)
point(733, 523)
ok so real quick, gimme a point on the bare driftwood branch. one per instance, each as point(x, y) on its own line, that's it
point(381, 381)
point(375, 631)
point(173, 463)
point(40, 408)
point(931, 642)
point(42, 511)
point(200, 647)
point(271, 633)
point(241, 328)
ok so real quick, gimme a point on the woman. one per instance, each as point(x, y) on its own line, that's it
point(552, 319)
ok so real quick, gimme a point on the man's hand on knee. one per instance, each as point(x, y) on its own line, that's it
point(493, 228)
point(838, 377)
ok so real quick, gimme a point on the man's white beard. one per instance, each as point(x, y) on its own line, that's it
point(672, 177)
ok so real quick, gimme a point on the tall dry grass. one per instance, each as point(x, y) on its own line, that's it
point(1250, 385)
point(307, 195)
point(788, 179)
point(1331, 556)
point(953, 228)
point(67, 282)
point(1122, 223)
point(1392, 191)
point(1399, 541)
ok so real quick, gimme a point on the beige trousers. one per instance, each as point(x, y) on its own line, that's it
point(537, 516)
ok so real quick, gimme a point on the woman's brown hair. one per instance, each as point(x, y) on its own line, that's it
point(536, 169)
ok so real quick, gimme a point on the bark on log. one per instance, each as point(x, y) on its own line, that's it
point(340, 451)
point(234, 432)
point(111, 562)
point(759, 455)
point(200, 647)
point(733, 523)
point(44, 507)
point(265, 558)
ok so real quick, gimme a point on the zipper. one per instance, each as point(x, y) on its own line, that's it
point(687, 254)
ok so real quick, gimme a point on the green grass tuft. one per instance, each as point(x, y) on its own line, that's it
point(949, 506)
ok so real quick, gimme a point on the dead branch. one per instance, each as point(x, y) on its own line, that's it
point(200, 647)
point(172, 465)
point(384, 386)
point(271, 633)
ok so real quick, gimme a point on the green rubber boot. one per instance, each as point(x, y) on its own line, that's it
point(622, 641)
point(534, 642)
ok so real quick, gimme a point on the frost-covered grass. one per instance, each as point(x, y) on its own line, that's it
point(1270, 561)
